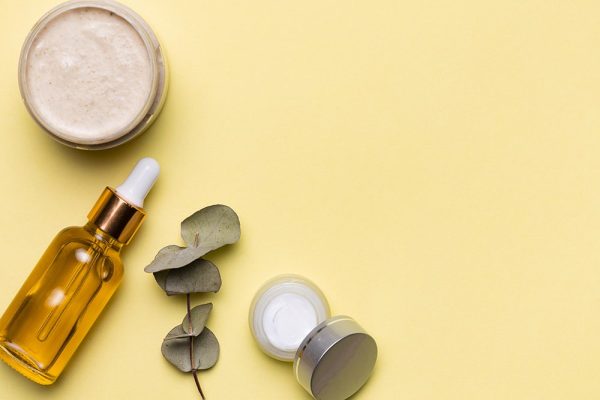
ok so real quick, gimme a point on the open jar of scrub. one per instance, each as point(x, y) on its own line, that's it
point(290, 320)
point(92, 74)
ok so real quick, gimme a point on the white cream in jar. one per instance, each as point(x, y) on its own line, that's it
point(92, 74)
point(283, 312)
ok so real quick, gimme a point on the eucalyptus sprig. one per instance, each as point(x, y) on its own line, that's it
point(191, 346)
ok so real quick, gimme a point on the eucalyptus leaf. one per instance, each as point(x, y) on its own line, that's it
point(172, 257)
point(200, 276)
point(206, 349)
point(177, 351)
point(161, 278)
point(175, 337)
point(211, 227)
point(199, 315)
point(176, 333)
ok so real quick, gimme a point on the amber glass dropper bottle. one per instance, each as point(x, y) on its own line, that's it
point(73, 281)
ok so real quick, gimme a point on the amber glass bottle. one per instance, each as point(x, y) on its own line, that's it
point(72, 282)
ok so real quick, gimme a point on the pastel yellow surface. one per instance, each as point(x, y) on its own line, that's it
point(433, 166)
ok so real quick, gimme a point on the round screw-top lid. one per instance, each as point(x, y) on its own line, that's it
point(336, 359)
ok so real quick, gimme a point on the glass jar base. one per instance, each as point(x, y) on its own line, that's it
point(17, 362)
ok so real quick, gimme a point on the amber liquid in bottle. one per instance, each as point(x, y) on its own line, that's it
point(59, 302)
point(73, 281)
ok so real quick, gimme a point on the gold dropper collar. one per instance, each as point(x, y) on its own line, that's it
point(115, 216)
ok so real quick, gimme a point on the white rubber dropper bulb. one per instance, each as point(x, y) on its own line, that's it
point(139, 182)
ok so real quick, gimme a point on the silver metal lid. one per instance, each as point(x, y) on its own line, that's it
point(336, 359)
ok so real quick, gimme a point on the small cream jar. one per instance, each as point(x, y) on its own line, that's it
point(92, 74)
point(290, 320)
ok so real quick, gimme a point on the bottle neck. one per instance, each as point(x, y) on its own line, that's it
point(116, 217)
point(103, 237)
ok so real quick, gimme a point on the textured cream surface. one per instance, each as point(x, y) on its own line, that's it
point(89, 75)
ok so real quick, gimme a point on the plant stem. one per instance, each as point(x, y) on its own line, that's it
point(195, 374)
point(194, 371)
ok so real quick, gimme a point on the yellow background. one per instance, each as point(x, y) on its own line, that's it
point(434, 166)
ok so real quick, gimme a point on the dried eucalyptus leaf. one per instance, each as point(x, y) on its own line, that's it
point(177, 351)
point(175, 337)
point(212, 227)
point(172, 257)
point(161, 278)
point(199, 316)
point(200, 276)
point(206, 350)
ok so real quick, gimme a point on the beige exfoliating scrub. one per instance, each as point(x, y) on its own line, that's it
point(92, 74)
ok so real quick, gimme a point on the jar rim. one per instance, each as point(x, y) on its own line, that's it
point(134, 20)
point(288, 283)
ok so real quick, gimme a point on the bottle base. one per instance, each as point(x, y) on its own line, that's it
point(20, 364)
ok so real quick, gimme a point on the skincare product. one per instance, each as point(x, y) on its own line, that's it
point(290, 320)
point(73, 281)
point(92, 74)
